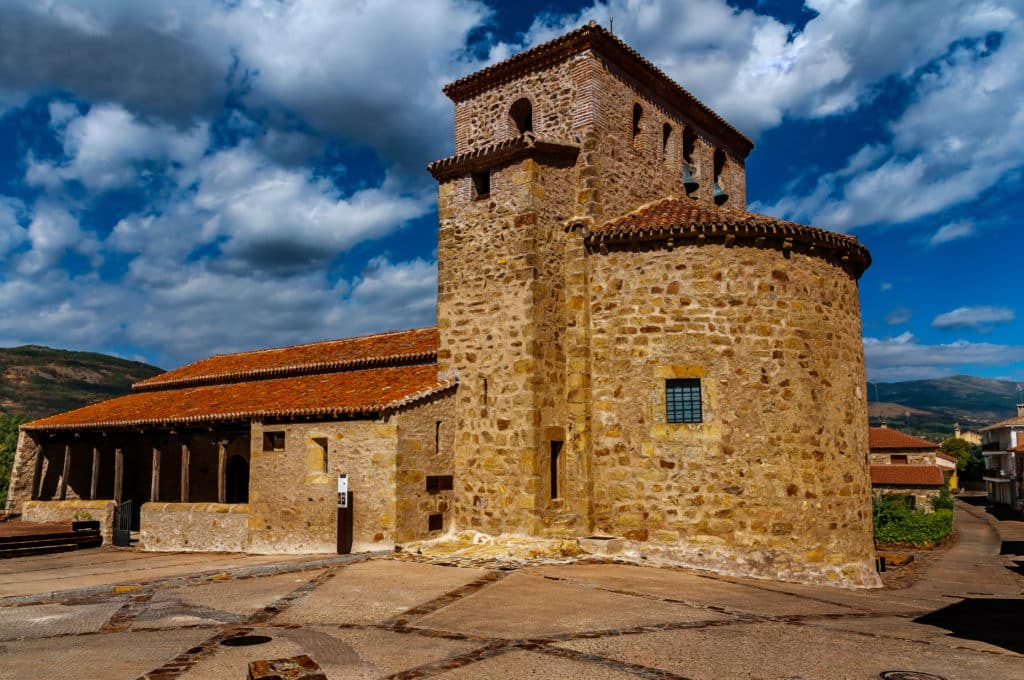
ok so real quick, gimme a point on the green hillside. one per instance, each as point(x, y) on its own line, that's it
point(930, 407)
point(38, 381)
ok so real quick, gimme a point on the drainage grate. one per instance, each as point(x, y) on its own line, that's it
point(246, 640)
point(908, 675)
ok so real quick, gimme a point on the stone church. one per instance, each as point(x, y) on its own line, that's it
point(621, 350)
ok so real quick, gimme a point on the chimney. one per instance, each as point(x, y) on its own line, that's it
point(1020, 411)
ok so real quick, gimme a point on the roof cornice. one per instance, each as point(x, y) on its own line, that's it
point(526, 145)
point(608, 45)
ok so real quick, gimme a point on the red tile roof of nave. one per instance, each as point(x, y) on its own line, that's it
point(907, 475)
point(888, 438)
point(682, 218)
point(330, 395)
point(412, 346)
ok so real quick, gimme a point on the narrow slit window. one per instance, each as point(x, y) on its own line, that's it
point(556, 460)
point(481, 184)
point(437, 436)
point(485, 392)
point(682, 400)
point(638, 115)
point(666, 140)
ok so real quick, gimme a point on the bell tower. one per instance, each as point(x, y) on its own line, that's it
point(577, 131)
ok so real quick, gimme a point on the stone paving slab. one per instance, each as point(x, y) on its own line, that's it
point(374, 591)
point(692, 588)
point(788, 652)
point(113, 656)
point(525, 606)
point(340, 652)
point(44, 620)
point(523, 664)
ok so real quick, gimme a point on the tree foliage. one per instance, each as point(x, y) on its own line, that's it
point(960, 450)
point(8, 445)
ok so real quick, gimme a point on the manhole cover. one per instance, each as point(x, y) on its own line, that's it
point(908, 675)
point(246, 640)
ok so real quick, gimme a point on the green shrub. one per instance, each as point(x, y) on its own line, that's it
point(896, 522)
point(944, 501)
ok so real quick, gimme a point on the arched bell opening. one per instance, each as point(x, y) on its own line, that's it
point(521, 115)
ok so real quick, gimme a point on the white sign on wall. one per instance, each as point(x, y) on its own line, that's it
point(342, 491)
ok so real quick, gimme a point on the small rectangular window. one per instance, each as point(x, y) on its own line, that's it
point(437, 483)
point(682, 400)
point(273, 441)
point(321, 458)
point(898, 460)
point(481, 184)
point(435, 522)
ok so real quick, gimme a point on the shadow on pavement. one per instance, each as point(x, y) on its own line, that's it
point(1012, 548)
point(994, 621)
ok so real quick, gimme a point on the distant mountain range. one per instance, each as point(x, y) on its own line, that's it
point(930, 407)
point(38, 381)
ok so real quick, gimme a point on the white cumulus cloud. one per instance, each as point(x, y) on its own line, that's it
point(981, 317)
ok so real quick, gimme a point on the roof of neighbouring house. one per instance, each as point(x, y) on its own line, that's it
point(886, 438)
point(945, 457)
point(600, 40)
point(331, 395)
point(683, 219)
point(381, 349)
point(906, 475)
point(1009, 422)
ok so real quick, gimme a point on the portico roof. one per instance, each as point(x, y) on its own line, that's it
point(365, 392)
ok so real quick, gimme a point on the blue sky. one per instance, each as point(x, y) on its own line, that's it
point(186, 177)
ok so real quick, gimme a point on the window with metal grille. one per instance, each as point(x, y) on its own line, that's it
point(682, 400)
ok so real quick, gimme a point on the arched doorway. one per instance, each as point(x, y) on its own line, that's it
point(237, 482)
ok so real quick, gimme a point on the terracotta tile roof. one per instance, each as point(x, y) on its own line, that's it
point(526, 144)
point(347, 393)
point(906, 475)
point(594, 37)
point(399, 347)
point(880, 438)
point(684, 219)
point(1003, 423)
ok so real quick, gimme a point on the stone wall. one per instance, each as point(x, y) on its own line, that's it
point(293, 499)
point(913, 458)
point(194, 527)
point(65, 511)
point(426, 432)
point(19, 489)
point(775, 480)
point(922, 495)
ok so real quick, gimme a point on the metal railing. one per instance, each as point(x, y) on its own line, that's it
point(123, 524)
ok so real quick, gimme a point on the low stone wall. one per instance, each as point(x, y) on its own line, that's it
point(65, 511)
point(194, 527)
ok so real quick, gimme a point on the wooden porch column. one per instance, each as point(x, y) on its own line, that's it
point(94, 484)
point(154, 484)
point(184, 472)
point(37, 474)
point(118, 474)
point(64, 474)
point(222, 469)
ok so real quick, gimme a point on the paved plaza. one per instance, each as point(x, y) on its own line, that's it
point(129, 615)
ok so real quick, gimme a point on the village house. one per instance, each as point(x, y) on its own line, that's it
point(913, 455)
point(621, 350)
point(1002, 447)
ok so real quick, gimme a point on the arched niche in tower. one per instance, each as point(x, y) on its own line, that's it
point(520, 116)
point(720, 194)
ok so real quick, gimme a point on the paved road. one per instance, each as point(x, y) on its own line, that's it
point(391, 617)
